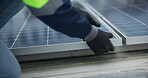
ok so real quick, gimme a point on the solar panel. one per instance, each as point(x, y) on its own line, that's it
point(25, 34)
point(10, 31)
point(128, 18)
point(34, 33)
point(30, 31)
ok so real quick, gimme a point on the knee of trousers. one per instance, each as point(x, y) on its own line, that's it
point(9, 66)
point(11, 73)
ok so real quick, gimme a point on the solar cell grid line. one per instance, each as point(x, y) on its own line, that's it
point(112, 15)
point(132, 5)
point(116, 14)
point(33, 34)
point(20, 31)
point(139, 3)
point(129, 16)
point(126, 14)
point(138, 16)
point(58, 38)
point(10, 31)
point(142, 6)
point(48, 35)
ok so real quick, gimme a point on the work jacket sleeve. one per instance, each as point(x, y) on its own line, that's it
point(62, 17)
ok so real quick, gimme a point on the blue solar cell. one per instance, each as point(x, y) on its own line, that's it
point(34, 33)
point(57, 38)
point(142, 6)
point(9, 32)
point(25, 30)
point(130, 20)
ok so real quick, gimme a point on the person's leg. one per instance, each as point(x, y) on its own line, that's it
point(9, 66)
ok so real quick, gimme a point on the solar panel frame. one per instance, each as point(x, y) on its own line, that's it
point(127, 40)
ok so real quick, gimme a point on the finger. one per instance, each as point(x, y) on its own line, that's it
point(107, 49)
point(87, 15)
point(99, 52)
point(92, 21)
point(111, 47)
point(110, 35)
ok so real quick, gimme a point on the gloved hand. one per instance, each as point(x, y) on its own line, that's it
point(87, 15)
point(101, 44)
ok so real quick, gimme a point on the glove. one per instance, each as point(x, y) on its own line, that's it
point(101, 43)
point(87, 15)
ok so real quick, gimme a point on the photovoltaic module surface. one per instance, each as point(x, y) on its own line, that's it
point(129, 17)
point(25, 30)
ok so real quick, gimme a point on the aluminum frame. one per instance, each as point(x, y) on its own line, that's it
point(72, 53)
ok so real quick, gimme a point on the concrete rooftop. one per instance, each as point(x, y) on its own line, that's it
point(132, 64)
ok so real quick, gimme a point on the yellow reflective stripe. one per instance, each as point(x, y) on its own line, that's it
point(36, 3)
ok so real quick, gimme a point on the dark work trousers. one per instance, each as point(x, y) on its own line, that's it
point(9, 66)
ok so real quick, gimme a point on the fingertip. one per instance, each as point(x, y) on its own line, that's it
point(111, 47)
point(110, 35)
point(107, 49)
point(95, 24)
point(98, 25)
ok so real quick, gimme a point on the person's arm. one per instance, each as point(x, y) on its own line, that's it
point(62, 17)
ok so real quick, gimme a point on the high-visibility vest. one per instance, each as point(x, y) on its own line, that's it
point(36, 3)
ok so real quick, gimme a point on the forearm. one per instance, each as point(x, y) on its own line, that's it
point(61, 16)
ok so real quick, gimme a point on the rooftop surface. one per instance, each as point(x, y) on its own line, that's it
point(133, 64)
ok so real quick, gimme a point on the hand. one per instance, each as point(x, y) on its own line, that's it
point(87, 15)
point(101, 44)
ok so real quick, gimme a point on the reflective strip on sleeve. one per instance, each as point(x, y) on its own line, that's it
point(36, 3)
